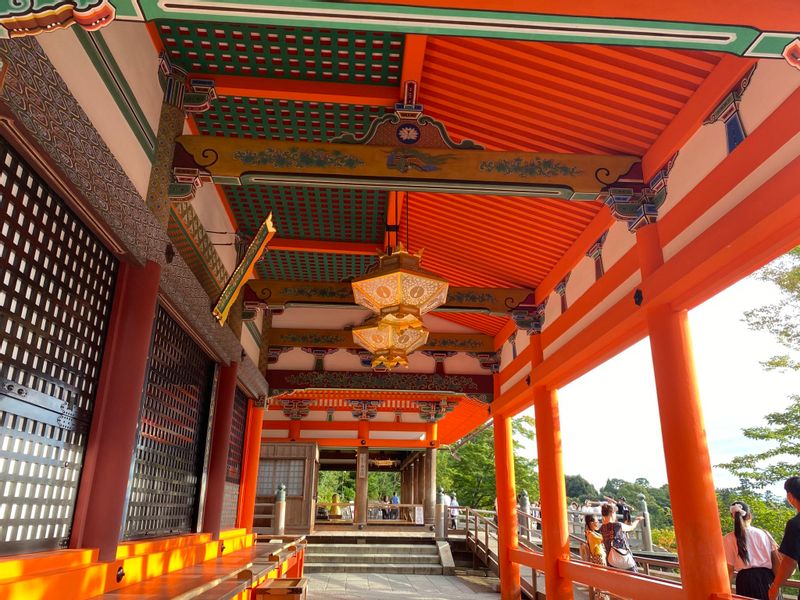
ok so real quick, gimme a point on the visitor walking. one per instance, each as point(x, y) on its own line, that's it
point(749, 552)
point(615, 539)
point(395, 513)
point(790, 545)
point(454, 512)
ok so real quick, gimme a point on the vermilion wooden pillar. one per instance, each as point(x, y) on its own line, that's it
point(220, 442)
point(691, 487)
point(555, 534)
point(250, 460)
point(506, 508)
point(99, 511)
point(553, 494)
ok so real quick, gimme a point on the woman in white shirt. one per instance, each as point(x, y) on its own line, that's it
point(749, 552)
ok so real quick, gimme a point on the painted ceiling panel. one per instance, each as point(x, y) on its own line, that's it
point(276, 119)
point(329, 214)
point(284, 52)
point(312, 266)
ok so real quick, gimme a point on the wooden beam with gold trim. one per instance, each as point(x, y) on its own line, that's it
point(278, 294)
point(235, 161)
point(323, 338)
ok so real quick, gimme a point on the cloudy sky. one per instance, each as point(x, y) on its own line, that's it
point(735, 390)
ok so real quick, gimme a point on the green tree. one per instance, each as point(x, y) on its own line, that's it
point(579, 489)
point(781, 459)
point(382, 483)
point(340, 482)
point(468, 468)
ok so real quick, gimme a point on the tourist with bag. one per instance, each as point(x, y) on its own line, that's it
point(750, 553)
point(615, 539)
point(596, 551)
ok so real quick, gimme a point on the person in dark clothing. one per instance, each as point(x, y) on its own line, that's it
point(790, 546)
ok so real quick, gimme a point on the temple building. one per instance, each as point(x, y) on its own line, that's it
point(243, 244)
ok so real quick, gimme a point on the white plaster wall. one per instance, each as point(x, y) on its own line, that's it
point(523, 340)
point(518, 376)
point(772, 83)
point(293, 360)
point(137, 58)
point(506, 355)
point(618, 241)
point(704, 151)
point(344, 361)
point(212, 214)
point(749, 184)
point(419, 363)
point(250, 346)
point(319, 318)
point(626, 289)
point(463, 364)
point(396, 435)
point(324, 433)
point(275, 433)
point(553, 310)
point(581, 279)
point(67, 55)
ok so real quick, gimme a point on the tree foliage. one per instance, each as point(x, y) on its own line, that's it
point(379, 484)
point(579, 489)
point(468, 469)
point(781, 458)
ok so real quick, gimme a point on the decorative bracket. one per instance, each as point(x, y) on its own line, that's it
point(595, 252)
point(728, 112)
point(407, 127)
point(295, 409)
point(488, 360)
point(365, 410)
point(529, 316)
point(274, 353)
point(432, 411)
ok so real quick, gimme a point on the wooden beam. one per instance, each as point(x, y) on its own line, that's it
point(278, 294)
point(311, 91)
point(601, 222)
point(354, 442)
point(329, 338)
point(474, 385)
point(324, 246)
point(237, 161)
point(413, 58)
point(347, 425)
point(728, 72)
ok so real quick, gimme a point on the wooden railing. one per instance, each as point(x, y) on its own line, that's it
point(405, 512)
point(659, 578)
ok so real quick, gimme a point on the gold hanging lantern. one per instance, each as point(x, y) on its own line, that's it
point(389, 344)
point(399, 291)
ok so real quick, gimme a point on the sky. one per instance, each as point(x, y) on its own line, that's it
point(735, 392)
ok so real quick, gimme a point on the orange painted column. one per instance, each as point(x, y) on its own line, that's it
point(220, 443)
point(250, 461)
point(506, 508)
point(100, 506)
point(691, 487)
point(553, 494)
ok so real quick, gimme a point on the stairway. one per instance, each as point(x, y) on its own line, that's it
point(420, 558)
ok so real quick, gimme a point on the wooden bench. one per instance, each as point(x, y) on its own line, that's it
point(221, 578)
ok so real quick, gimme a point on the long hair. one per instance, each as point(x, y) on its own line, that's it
point(740, 511)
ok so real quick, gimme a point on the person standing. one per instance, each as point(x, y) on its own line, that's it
point(596, 549)
point(749, 552)
point(454, 512)
point(790, 545)
point(395, 513)
point(615, 539)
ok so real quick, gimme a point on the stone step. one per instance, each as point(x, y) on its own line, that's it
point(427, 559)
point(395, 568)
point(362, 549)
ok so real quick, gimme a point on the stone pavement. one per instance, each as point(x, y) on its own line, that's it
point(368, 586)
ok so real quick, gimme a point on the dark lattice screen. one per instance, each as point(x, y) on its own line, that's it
point(56, 288)
point(165, 485)
point(236, 447)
